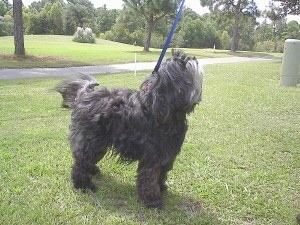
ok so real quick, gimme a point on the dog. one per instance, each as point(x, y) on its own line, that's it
point(146, 125)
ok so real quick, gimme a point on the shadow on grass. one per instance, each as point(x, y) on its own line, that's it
point(154, 52)
point(29, 61)
point(120, 198)
point(252, 54)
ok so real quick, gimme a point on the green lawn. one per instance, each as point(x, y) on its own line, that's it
point(61, 51)
point(239, 164)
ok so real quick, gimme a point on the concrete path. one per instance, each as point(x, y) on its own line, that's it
point(116, 68)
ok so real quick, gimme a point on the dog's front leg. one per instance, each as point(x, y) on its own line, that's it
point(148, 184)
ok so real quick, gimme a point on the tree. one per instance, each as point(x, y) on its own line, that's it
point(152, 11)
point(82, 12)
point(264, 32)
point(56, 18)
point(234, 10)
point(40, 4)
point(105, 19)
point(225, 40)
point(278, 21)
point(18, 28)
point(291, 7)
point(292, 30)
point(3, 8)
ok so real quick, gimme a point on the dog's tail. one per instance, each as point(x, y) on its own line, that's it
point(72, 88)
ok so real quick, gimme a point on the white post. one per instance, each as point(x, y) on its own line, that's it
point(290, 69)
point(134, 64)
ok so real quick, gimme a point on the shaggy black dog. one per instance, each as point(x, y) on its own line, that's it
point(146, 125)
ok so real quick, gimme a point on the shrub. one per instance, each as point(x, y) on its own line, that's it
point(109, 35)
point(225, 40)
point(157, 40)
point(102, 36)
point(84, 35)
point(265, 46)
point(6, 26)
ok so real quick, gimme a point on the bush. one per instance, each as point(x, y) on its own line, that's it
point(138, 37)
point(109, 35)
point(84, 35)
point(177, 41)
point(6, 28)
point(225, 40)
point(265, 46)
point(157, 40)
point(102, 36)
point(269, 46)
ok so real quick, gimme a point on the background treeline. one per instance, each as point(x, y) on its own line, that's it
point(194, 31)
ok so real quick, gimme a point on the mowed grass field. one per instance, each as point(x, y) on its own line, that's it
point(239, 164)
point(61, 51)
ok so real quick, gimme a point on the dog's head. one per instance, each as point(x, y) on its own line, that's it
point(175, 88)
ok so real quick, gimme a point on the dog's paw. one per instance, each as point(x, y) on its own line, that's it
point(163, 187)
point(95, 170)
point(156, 204)
point(91, 188)
point(84, 186)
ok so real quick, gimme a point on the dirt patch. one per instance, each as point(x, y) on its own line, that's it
point(30, 58)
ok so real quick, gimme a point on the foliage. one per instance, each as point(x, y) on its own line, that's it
point(198, 31)
point(128, 29)
point(192, 33)
point(292, 31)
point(84, 35)
point(235, 11)
point(157, 40)
point(265, 46)
point(45, 20)
point(6, 26)
point(3, 8)
point(105, 19)
point(82, 12)
point(119, 33)
point(264, 32)
point(38, 23)
point(151, 11)
point(56, 18)
point(39, 5)
point(225, 40)
point(271, 37)
point(289, 7)
point(246, 33)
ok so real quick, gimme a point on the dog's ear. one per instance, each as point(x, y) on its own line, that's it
point(162, 99)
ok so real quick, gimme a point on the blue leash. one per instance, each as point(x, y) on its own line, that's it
point(163, 52)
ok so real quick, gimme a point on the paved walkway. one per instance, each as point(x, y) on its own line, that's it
point(116, 68)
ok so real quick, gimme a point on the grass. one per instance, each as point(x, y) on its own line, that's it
point(61, 51)
point(239, 163)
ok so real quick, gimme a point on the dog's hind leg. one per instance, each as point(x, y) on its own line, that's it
point(148, 184)
point(85, 166)
point(81, 171)
point(86, 153)
point(97, 156)
point(163, 176)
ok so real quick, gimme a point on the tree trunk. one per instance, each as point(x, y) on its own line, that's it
point(235, 39)
point(150, 25)
point(18, 28)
